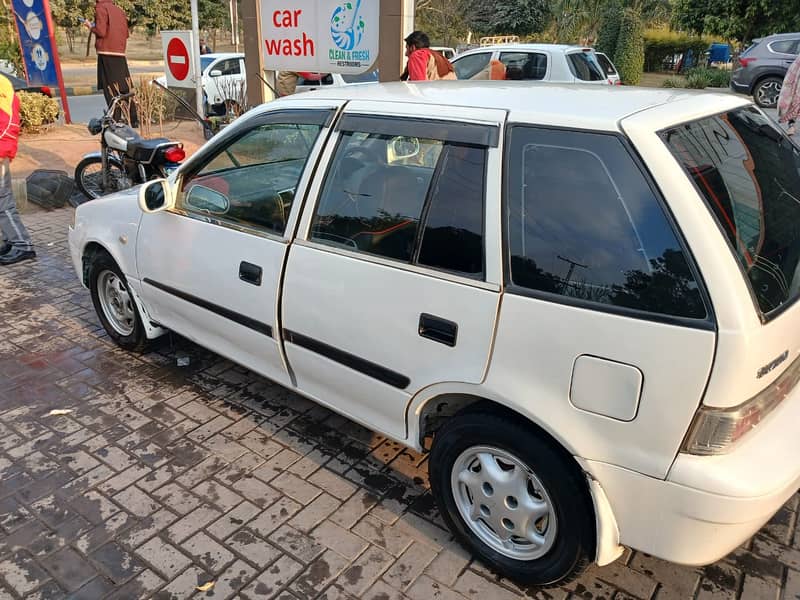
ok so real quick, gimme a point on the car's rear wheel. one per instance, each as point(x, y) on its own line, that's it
point(511, 496)
point(114, 304)
point(766, 92)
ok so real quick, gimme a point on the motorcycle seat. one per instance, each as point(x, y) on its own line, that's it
point(142, 150)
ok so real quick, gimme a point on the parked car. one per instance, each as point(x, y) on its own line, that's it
point(541, 62)
point(609, 69)
point(762, 67)
point(20, 85)
point(586, 297)
point(322, 80)
point(224, 81)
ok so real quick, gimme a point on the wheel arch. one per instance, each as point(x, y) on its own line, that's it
point(765, 75)
point(429, 412)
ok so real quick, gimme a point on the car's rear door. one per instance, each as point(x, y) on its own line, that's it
point(393, 283)
point(211, 267)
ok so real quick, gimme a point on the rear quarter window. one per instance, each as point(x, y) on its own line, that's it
point(584, 225)
point(585, 67)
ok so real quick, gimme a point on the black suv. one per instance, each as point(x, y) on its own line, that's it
point(762, 67)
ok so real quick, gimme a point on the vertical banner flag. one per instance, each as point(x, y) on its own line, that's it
point(36, 35)
point(323, 36)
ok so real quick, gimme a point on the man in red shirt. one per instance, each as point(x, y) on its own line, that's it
point(110, 29)
point(423, 63)
point(17, 245)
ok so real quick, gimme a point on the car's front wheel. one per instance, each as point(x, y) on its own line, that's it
point(511, 496)
point(114, 303)
point(767, 91)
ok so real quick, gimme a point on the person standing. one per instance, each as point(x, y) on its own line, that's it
point(789, 100)
point(204, 48)
point(111, 32)
point(425, 64)
point(17, 245)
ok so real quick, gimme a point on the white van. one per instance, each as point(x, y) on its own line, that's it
point(581, 299)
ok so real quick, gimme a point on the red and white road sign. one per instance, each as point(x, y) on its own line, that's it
point(179, 57)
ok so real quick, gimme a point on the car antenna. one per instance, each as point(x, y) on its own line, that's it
point(207, 132)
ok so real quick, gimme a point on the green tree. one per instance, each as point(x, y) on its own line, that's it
point(608, 35)
point(519, 17)
point(742, 20)
point(442, 20)
point(629, 55)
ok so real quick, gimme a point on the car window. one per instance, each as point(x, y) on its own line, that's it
point(585, 67)
point(784, 47)
point(316, 80)
point(252, 181)
point(524, 65)
point(748, 173)
point(467, 67)
point(229, 66)
point(405, 198)
point(583, 223)
point(368, 77)
point(606, 65)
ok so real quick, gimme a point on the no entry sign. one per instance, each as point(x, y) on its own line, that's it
point(179, 57)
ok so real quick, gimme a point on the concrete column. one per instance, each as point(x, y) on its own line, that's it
point(396, 16)
point(253, 57)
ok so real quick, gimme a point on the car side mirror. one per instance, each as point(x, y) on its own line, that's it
point(216, 73)
point(155, 196)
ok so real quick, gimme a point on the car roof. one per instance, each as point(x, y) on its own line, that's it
point(567, 105)
point(527, 48)
point(216, 55)
point(778, 36)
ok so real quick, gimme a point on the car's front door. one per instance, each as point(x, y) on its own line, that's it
point(211, 267)
point(393, 282)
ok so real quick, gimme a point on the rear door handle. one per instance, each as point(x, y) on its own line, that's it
point(250, 273)
point(438, 329)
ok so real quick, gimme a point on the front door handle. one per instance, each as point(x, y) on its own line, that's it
point(438, 329)
point(250, 273)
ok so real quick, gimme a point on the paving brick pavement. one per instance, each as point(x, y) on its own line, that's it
point(163, 479)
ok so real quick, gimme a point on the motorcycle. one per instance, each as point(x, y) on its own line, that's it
point(125, 158)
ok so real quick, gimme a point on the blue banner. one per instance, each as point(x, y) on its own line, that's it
point(35, 40)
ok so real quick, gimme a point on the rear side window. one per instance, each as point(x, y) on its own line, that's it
point(409, 199)
point(584, 66)
point(524, 65)
point(606, 65)
point(469, 66)
point(583, 224)
point(748, 173)
point(784, 47)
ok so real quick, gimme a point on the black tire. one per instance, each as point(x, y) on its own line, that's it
point(125, 327)
point(766, 92)
point(573, 545)
point(89, 182)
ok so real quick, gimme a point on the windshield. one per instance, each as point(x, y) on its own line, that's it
point(368, 77)
point(205, 62)
point(748, 172)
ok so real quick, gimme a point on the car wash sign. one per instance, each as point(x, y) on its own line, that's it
point(325, 36)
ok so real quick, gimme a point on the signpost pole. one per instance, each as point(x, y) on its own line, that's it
point(52, 31)
point(194, 52)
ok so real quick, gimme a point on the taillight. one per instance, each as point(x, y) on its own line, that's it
point(717, 430)
point(746, 61)
point(47, 91)
point(175, 154)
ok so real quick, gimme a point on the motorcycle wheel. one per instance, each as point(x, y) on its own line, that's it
point(88, 177)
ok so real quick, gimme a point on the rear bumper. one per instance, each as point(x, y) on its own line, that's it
point(740, 88)
point(709, 505)
point(682, 524)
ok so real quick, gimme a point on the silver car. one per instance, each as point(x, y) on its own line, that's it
point(762, 67)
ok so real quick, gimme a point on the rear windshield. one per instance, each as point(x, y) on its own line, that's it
point(584, 66)
point(748, 172)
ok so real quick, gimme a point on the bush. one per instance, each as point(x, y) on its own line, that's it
point(154, 105)
point(36, 111)
point(629, 56)
point(673, 82)
point(660, 44)
point(608, 35)
point(703, 77)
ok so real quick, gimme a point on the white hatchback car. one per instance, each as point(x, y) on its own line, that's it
point(587, 297)
point(533, 62)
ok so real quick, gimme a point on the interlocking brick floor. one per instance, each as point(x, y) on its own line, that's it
point(164, 478)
